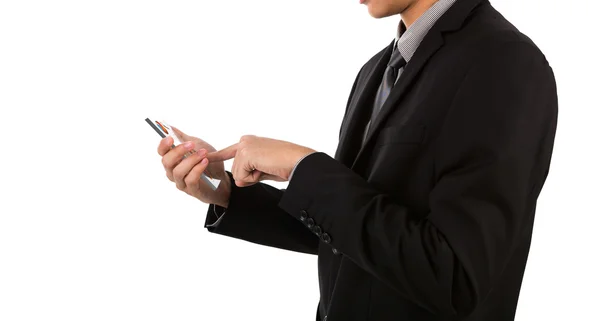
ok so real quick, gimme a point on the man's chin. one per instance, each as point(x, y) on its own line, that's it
point(378, 13)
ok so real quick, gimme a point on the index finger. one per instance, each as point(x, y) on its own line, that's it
point(223, 154)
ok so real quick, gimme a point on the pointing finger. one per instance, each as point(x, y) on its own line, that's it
point(223, 154)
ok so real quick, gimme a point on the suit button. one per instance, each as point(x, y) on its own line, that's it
point(317, 230)
point(303, 215)
point(335, 251)
point(326, 238)
point(310, 223)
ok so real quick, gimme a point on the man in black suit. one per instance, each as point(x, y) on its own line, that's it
point(426, 212)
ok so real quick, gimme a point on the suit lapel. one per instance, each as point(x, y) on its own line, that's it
point(359, 107)
point(427, 48)
point(432, 42)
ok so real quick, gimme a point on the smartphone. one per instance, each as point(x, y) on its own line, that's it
point(164, 130)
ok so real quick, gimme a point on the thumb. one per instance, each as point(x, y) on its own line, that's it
point(223, 154)
point(182, 136)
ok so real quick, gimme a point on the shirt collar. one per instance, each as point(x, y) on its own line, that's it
point(409, 39)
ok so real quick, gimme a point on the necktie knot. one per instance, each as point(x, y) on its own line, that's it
point(396, 61)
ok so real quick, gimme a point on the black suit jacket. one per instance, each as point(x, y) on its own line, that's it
point(430, 219)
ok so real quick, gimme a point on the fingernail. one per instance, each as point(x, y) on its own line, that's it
point(188, 145)
point(204, 161)
point(202, 152)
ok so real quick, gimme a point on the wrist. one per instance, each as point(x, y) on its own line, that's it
point(224, 193)
point(306, 153)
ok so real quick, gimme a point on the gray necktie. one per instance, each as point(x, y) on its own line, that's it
point(389, 78)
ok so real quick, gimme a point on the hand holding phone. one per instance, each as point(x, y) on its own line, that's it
point(164, 130)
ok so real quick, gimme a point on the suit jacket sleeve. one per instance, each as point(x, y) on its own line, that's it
point(253, 215)
point(492, 157)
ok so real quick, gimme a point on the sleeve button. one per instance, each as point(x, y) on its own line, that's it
point(317, 230)
point(326, 238)
point(310, 223)
point(303, 215)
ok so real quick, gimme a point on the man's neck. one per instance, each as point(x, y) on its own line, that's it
point(415, 10)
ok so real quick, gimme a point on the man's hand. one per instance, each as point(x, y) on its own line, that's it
point(185, 173)
point(259, 158)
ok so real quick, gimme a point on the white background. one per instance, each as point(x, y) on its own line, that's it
point(91, 229)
